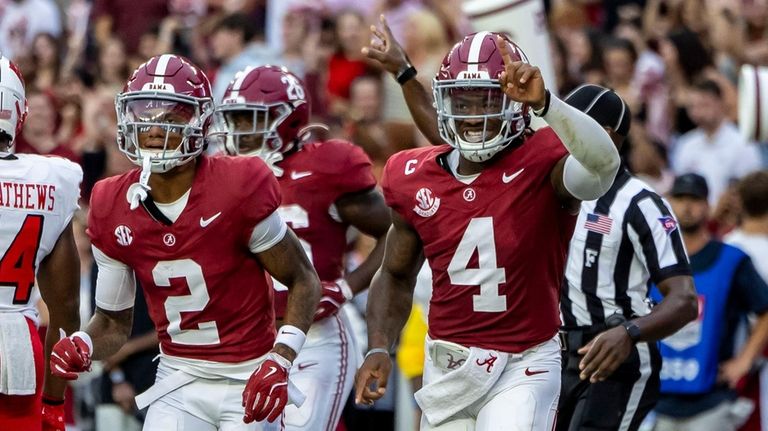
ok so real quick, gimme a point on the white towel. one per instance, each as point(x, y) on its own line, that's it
point(17, 359)
point(462, 387)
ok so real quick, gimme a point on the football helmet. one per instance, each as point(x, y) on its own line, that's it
point(166, 107)
point(264, 112)
point(13, 100)
point(474, 114)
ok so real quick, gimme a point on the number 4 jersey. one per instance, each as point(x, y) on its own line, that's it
point(497, 246)
point(38, 197)
point(206, 292)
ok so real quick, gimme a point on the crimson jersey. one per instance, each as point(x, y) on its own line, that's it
point(313, 179)
point(206, 292)
point(497, 247)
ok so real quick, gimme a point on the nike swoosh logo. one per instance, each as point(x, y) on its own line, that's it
point(509, 178)
point(307, 365)
point(299, 175)
point(528, 372)
point(206, 222)
point(272, 370)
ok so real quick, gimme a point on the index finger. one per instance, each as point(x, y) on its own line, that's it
point(384, 24)
point(503, 46)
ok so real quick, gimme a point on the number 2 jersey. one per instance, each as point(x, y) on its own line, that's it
point(497, 246)
point(38, 197)
point(206, 292)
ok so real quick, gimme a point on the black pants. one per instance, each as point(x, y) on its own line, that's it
point(622, 399)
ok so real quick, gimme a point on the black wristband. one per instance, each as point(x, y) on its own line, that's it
point(52, 401)
point(544, 110)
point(405, 75)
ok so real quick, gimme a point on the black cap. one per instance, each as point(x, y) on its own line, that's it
point(690, 185)
point(603, 105)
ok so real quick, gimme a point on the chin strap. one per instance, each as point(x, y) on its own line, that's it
point(137, 192)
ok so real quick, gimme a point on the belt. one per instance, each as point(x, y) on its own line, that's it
point(572, 339)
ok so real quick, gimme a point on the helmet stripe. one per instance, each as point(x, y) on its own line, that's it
point(474, 50)
point(162, 64)
point(239, 82)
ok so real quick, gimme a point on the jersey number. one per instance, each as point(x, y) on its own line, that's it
point(17, 267)
point(206, 333)
point(297, 218)
point(479, 236)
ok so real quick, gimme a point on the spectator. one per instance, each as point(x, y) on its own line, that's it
point(45, 63)
point(701, 365)
point(39, 133)
point(126, 19)
point(364, 125)
point(347, 63)
point(715, 149)
point(236, 44)
point(619, 58)
point(22, 20)
point(112, 70)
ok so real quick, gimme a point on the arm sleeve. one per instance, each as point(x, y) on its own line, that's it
point(267, 233)
point(593, 161)
point(115, 283)
point(750, 287)
point(656, 238)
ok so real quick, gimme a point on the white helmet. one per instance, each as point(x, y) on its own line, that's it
point(13, 102)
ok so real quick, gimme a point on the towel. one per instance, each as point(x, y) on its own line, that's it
point(462, 386)
point(17, 359)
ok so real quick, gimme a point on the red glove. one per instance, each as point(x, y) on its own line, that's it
point(71, 355)
point(334, 296)
point(266, 392)
point(53, 414)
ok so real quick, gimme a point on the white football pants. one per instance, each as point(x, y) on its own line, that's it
point(324, 371)
point(523, 399)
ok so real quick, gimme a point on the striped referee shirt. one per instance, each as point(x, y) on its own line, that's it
point(622, 242)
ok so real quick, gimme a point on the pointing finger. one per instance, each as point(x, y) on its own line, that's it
point(384, 24)
point(506, 55)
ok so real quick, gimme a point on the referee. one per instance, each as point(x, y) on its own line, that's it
point(622, 242)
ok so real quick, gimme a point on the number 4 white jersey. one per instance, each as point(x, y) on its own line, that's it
point(38, 197)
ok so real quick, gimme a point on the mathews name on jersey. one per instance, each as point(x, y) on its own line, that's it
point(38, 197)
point(497, 246)
point(206, 292)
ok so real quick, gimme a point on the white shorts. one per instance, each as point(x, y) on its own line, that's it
point(523, 399)
point(324, 371)
point(202, 405)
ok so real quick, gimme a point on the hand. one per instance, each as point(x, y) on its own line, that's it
point(604, 354)
point(375, 369)
point(386, 50)
point(334, 295)
point(266, 392)
point(733, 370)
point(520, 81)
point(124, 396)
point(70, 355)
point(53, 415)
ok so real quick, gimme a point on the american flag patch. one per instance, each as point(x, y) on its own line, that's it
point(598, 223)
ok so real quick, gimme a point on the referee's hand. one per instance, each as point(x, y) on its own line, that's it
point(604, 354)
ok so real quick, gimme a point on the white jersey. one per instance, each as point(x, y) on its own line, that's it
point(38, 197)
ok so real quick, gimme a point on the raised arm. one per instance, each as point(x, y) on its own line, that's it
point(392, 57)
point(389, 304)
point(590, 168)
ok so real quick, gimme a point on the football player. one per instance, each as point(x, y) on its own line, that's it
point(198, 233)
point(327, 186)
point(492, 211)
point(38, 198)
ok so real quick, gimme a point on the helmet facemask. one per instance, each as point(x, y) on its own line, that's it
point(251, 129)
point(167, 127)
point(476, 117)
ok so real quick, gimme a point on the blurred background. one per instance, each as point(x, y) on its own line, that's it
point(677, 63)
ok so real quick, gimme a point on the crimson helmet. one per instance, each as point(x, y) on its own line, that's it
point(266, 105)
point(13, 101)
point(469, 100)
point(172, 94)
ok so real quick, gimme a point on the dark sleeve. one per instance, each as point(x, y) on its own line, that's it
point(658, 239)
point(750, 289)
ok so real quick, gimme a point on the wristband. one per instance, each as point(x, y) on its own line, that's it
point(375, 351)
point(405, 75)
point(544, 110)
point(291, 336)
point(85, 337)
point(117, 376)
point(52, 401)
